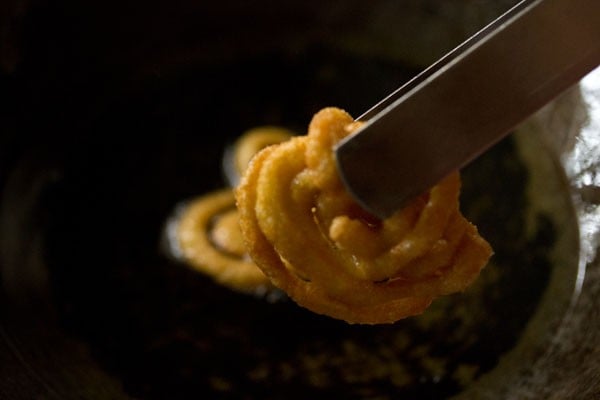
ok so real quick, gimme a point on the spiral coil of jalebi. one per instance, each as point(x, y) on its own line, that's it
point(314, 242)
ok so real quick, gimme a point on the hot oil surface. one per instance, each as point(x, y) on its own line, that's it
point(166, 331)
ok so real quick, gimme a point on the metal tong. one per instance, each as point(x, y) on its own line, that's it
point(468, 100)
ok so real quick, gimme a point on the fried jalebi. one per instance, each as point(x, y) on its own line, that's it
point(314, 242)
point(207, 232)
point(209, 240)
point(246, 146)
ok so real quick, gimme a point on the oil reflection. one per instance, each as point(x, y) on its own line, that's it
point(582, 165)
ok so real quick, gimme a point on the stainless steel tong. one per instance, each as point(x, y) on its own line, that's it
point(469, 100)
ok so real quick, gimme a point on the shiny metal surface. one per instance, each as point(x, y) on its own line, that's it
point(469, 100)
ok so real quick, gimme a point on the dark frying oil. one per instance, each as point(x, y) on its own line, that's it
point(167, 332)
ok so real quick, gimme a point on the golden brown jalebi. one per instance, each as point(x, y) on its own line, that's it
point(207, 232)
point(237, 158)
point(209, 240)
point(314, 242)
point(254, 140)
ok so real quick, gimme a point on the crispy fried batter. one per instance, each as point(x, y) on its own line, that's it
point(254, 140)
point(314, 242)
point(209, 239)
point(208, 233)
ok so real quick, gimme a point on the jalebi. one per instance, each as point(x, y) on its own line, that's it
point(207, 232)
point(312, 240)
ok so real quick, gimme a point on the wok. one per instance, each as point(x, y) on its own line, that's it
point(114, 113)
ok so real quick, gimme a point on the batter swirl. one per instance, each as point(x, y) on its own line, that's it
point(314, 242)
point(207, 232)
